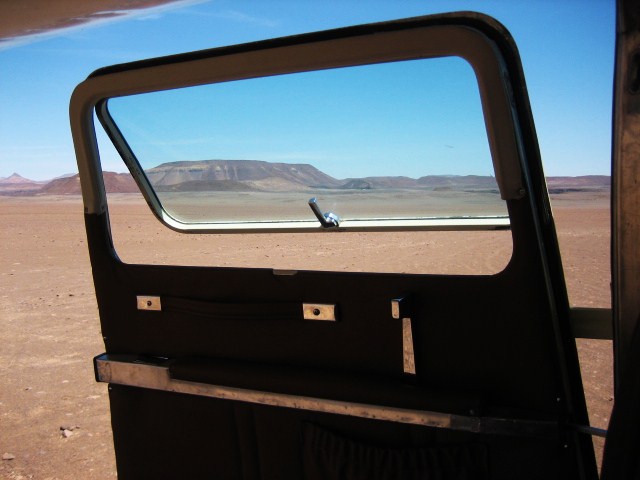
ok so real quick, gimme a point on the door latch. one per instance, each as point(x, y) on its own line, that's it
point(327, 219)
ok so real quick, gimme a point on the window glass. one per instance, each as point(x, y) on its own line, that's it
point(396, 141)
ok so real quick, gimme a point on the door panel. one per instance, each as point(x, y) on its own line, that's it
point(227, 379)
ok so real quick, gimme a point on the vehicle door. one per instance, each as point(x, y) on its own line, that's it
point(264, 371)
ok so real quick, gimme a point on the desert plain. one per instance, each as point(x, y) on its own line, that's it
point(54, 417)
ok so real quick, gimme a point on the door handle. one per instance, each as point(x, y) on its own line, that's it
point(327, 219)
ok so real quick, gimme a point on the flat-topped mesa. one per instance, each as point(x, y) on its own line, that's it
point(253, 174)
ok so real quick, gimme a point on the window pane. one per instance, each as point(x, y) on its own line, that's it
point(402, 140)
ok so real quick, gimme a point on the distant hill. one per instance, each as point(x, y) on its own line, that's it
point(17, 184)
point(253, 174)
point(458, 181)
point(256, 175)
point(206, 186)
point(62, 186)
point(64, 176)
point(15, 179)
point(586, 183)
point(259, 175)
point(114, 183)
point(372, 183)
point(582, 181)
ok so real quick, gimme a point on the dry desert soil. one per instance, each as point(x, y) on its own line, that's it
point(54, 417)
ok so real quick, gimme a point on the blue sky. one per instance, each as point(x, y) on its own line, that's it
point(412, 118)
point(566, 48)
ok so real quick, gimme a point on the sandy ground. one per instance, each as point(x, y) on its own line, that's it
point(49, 322)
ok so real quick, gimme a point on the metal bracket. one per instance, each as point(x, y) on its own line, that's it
point(592, 323)
point(146, 302)
point(408, 357)
point(319, 311)
point(154, 374)
point(400, 309)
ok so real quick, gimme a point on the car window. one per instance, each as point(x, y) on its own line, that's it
point(391, 145)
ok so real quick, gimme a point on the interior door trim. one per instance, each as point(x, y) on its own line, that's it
point(132, 371)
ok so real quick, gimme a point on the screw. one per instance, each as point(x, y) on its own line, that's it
point(316, 311)
point(149, 303)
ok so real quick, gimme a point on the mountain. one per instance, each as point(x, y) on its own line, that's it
point(16, 184)
point(62, 186)
point(590, 183)
point(444, 182)
point(16, 179)
point(225, 175)
point(256, 175)
point(206, 186)
point(65, 175)
point(582, 181)
point(371, 183)
point(252, 174)
point(114, 183)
